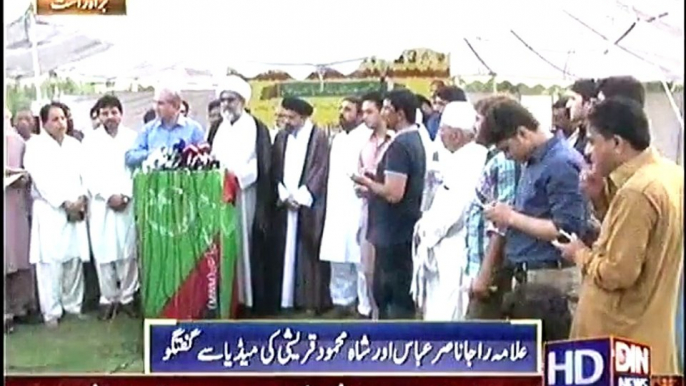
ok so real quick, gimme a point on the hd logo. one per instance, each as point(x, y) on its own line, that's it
point(597, 362)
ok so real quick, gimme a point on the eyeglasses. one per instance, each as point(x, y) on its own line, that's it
point(227, 99)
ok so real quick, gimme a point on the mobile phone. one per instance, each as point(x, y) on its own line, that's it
point(563, 237)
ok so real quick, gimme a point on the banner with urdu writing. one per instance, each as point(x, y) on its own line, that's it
point(187, 244)
point(324, 88)
point(346, 348)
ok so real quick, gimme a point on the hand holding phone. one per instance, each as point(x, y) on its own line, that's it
point(564, 237)
point(481, 200)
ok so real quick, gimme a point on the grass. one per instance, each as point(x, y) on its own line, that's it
point(81, 346)
point(76, 346)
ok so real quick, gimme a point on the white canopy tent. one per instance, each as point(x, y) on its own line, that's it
point(549, 41)
point(529, 41)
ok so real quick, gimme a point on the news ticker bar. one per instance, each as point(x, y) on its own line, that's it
point(353, 348)
point(271, 381)
point(295, 381)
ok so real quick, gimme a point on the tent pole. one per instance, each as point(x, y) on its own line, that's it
point(680, 119)
point(34, 56)
point(673, 104)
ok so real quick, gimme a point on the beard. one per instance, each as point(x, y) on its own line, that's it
point(347, 125)
point(227, 115)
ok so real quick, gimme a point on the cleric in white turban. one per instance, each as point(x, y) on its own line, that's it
point(241, 144)
point(439, 284)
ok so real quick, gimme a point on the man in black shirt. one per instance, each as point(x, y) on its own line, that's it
point(394, 207)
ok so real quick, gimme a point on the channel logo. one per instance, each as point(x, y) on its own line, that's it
point(597, 362)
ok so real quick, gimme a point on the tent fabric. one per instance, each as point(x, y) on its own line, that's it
point(57, 45)
point(117, 64)
point(554, 40)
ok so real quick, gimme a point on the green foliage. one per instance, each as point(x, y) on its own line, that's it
point(523, 89)
point(19, 97)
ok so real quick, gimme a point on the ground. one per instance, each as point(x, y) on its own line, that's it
point(77, 346)
point(81, 346)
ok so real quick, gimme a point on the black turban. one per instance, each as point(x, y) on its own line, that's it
point(300, 106)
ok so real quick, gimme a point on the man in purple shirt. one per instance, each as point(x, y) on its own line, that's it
point(169, 128)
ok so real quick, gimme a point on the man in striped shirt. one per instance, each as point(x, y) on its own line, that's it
point(485, 243)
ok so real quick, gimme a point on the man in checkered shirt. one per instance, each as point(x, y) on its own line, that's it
point(485, 243)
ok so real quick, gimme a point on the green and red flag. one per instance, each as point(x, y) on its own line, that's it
point(187, 244)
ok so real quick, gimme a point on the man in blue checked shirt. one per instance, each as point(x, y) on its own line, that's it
point(485, 243)
point(549, 203)
point(167, 130)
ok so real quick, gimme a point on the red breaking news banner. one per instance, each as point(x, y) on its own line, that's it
point(271, 381)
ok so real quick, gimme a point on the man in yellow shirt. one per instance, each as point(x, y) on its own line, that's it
point(632, 272)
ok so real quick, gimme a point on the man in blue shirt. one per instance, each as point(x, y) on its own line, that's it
point(548, 203)
point(169, 128)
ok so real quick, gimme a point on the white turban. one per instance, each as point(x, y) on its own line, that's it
point(234, 83)
point(459, 115)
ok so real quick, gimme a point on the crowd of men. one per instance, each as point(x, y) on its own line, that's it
point(440, 209)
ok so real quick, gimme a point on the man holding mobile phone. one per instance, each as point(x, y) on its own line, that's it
point(395, 206)
point(548, 198)
point(490, 280)
point(372, 152)
point(632, 273)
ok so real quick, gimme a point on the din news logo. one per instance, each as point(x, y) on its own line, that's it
point(597, 362)
point(80, 7)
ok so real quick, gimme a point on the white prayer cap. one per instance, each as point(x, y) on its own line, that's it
point(459, 115)
point(235, 84)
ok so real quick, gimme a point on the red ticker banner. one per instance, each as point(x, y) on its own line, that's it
point(270, 381)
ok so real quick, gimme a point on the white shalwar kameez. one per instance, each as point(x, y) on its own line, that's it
point(294, 162)
point(440, 255)
point(112, 234)
point(439, 251)
point(341, 239)
point(234, 147)
point(58, 247)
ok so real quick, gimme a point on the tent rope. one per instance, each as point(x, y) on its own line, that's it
point(478, 57)
point(622, 36)
point(637, 56)
point(562, 70)
point(634, 24)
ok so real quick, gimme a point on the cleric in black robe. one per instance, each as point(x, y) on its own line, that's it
point(242, 144)
point(300, 163)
